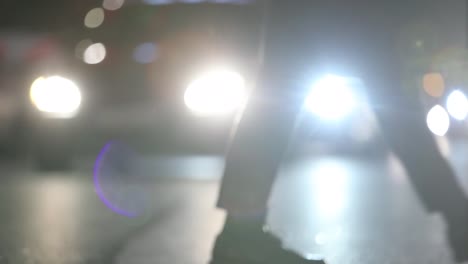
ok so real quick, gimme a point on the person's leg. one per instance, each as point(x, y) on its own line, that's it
point(255, 153)
point(403, 124)
point(258, 146)
point(263, 134)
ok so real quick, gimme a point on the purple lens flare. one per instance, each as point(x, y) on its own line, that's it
point(118, 180)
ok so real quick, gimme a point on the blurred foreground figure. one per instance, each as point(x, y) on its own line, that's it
point(307, 38)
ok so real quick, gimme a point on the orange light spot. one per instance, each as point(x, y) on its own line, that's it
point(434, 84)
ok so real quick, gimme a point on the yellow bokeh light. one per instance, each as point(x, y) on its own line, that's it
point(36, 87)
point(56, 96)
point(434, 84)
point(216, 93)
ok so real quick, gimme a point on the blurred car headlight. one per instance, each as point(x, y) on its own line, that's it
point(331, 98)
point(438, 121)
point(216, 93)
point(457, 105)
point(56, 96)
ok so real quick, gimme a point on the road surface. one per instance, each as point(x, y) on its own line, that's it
point(349, 210)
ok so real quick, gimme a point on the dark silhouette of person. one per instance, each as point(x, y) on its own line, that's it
point(306, 39)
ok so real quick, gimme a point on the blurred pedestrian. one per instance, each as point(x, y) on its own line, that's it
point(306, 38)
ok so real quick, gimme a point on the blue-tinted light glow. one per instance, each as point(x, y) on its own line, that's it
point(145, 53)
point(331, 98)
point(158, 2)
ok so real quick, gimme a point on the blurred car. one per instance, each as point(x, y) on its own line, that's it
point(169, 78)
point(165, 78)
point(28, 126)
point(125, 80)
point(200, 68)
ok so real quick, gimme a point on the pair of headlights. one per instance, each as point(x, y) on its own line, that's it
point(330, 98)
point(215, 93)
point(221, 92)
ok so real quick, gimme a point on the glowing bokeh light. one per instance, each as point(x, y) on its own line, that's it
point(434, 84)
point(457, 105)
point(94, 53)
point(112, 4)
point(56, 96)
point(98, 186)
point(331, 98)
point(216, 93)
point(94, 18)
point(81, 47)
point(438, 121)
point(145, 53)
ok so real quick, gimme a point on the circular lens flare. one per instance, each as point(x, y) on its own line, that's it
point(216, 93)
point(438, 121)
point(457, 105)
point(119, 181)
point(331, 98)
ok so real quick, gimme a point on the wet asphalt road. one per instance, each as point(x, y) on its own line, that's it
point(349, 210)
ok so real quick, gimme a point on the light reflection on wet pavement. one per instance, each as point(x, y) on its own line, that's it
point(348, 210)
point(354, 211)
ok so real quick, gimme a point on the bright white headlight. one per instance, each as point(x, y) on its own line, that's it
point(216, 93)
point(438, 121)
point(457, 105)
point(331, 98)
point(55, 96)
